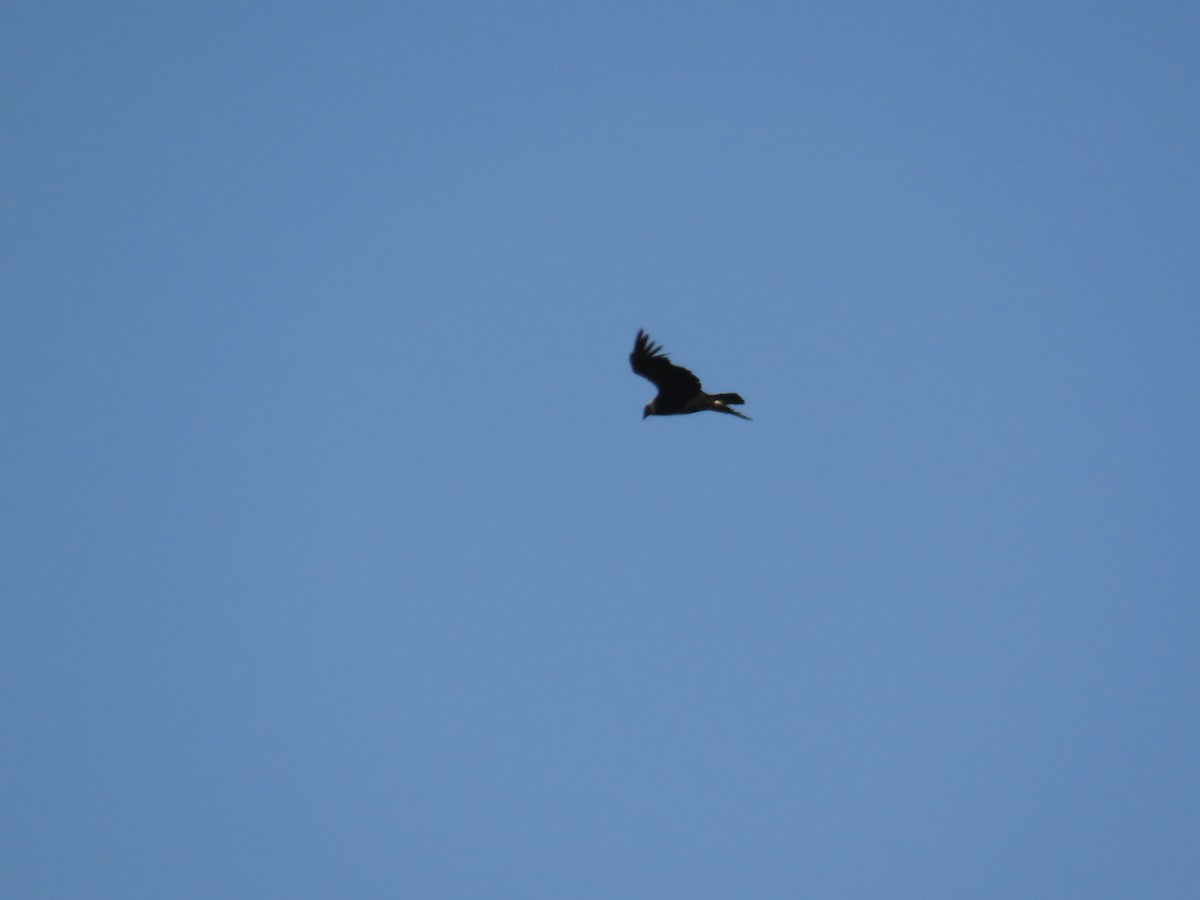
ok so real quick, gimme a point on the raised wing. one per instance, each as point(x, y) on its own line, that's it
point(650, 362)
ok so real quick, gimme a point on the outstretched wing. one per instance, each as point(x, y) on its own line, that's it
point(650, 362)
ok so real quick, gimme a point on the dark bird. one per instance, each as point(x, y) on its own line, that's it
point(679, 390)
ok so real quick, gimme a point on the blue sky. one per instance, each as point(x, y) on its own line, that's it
point(337, 560)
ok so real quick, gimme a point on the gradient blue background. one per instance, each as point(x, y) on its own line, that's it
point(337, 560)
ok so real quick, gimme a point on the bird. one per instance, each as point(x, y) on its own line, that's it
point(679, 390)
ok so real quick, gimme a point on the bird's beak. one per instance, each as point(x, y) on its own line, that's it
point(644, 414)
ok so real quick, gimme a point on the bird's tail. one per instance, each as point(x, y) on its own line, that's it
point(722, 401)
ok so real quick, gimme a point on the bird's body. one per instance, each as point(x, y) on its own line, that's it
point(679, 391)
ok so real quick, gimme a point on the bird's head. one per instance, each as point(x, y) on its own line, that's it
point(649, 410)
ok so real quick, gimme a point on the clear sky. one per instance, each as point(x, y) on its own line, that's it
point(336, 559)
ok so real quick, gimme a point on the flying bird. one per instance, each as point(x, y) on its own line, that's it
point(678, 389)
